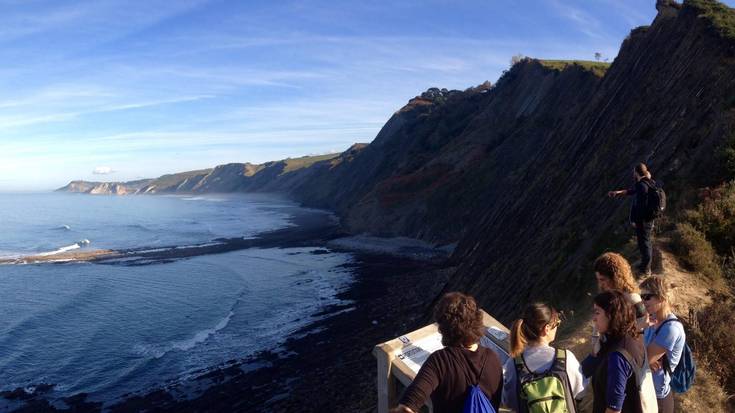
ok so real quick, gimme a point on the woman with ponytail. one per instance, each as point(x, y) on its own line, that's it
point(532, 355)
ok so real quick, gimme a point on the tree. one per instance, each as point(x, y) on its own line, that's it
point(598, 56)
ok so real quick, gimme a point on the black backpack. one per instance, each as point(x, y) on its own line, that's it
point(655, 200)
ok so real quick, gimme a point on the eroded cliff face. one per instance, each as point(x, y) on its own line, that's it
point(666, 100)
point(517, 173)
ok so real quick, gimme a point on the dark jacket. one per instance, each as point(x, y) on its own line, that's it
point(638, 211)
point(632, 402)
point(447, 375)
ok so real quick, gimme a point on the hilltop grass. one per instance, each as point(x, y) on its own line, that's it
point(597, 68)
point(293, 164)
point(175, 179)
point(721, 16)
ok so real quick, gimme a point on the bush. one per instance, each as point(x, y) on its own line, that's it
point(728, 267)
point(715, 217)
point(728, 159)
point(712, 340)
point(694, 251)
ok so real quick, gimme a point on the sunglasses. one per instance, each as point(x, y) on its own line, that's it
point(647, 297)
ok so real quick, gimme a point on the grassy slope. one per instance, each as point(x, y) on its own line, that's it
point(175, 179)
point(721, 16)
point(597, 68)
point(293, 164)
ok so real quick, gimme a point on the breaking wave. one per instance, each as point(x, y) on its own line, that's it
point(71, 247)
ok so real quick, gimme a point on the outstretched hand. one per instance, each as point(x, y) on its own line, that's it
point(401, 409)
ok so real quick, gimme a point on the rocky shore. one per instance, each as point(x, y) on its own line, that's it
point(326, 366)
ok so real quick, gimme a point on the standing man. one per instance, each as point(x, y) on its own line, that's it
point(640, 216)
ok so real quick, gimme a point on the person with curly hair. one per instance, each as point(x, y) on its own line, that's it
point(613, 272)
point(612, 369)
point(532, 355)
point(447, 374)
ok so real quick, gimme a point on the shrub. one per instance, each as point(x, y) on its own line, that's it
point(727, 156)
point(695, 252)
point(715, 217)
point(712, 340)
point(728, 267)
point(721, 16)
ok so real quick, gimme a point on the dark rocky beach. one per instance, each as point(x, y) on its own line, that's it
point(326, 366)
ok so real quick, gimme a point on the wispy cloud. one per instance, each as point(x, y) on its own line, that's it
point(103, 170)
point(583, 21)
point(162, 86)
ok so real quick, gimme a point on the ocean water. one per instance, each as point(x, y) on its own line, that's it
point(109, 330)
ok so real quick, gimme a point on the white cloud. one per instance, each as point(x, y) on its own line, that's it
point(103, 170)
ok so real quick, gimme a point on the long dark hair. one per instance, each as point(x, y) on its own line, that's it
point(620, 313)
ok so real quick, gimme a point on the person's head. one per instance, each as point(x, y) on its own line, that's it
point(655, 295)
point(613, 315)
point(459, 319)
point(613, 272)
point(641, 171)
point(539, 322)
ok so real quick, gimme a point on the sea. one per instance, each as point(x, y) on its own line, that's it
point(110, 330)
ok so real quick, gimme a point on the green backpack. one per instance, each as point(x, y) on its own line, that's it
point(545, 392)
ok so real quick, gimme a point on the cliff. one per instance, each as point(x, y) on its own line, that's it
point(666, 100)
point(516, 173)
point(233, 177)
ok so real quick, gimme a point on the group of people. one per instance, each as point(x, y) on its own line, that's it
point(629, 329)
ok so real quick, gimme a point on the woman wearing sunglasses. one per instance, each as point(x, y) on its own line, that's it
point(532, 355)
point(664, 339)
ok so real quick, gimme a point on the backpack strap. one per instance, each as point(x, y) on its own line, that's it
point(655, 333)
point(650, 183)
point(521, 367)
point(482, 368)
point(665, 359)
point(560, 360)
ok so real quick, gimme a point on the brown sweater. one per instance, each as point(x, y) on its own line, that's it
point(447, 375)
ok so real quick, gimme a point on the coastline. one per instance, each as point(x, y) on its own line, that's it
point(324, 366)
point(306, 228)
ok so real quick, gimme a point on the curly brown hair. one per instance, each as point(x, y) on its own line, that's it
point(459, 319)
point(620, 313)
point(615, 267)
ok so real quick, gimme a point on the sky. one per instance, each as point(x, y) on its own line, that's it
point(114, 90)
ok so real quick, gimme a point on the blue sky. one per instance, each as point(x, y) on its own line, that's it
point(131, 89)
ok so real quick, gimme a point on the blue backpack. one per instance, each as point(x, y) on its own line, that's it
point(476, 401)
point(682, 377)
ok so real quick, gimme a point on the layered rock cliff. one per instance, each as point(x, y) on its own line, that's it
point(516, 173)
point(666, 100)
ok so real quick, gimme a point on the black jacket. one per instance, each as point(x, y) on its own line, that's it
point(638, 212)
